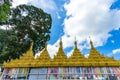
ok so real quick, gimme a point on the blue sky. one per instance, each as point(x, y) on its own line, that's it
point(99, 19)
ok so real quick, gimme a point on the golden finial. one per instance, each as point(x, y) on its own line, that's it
point(46, 45)
point(75, 43)
point(30, 51)
point(60, 41)
point(91, 43)
point(31, 46)
point(60, 44)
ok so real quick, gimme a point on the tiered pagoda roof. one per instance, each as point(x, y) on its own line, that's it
point(43, 59)
point(77, 57)
point(95, 59)
point(60, 58)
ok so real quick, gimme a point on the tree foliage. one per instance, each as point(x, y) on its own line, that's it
point(8, 41)
point(29, 24)
point(4, 11)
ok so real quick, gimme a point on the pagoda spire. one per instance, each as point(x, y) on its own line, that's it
point(31, 46)
point(75, 44)
point(46, 45)
point(76, 53)
point(94, 54)
point(61, 43)
point(29, 53)
point(76, 56)
point(44, 58)
point(60, 47)
point(76, 48)
point(45, 55)
point(60, 58)
point(91, 43)
point(60, 53)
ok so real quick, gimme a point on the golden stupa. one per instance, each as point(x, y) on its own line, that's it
point(95, 59)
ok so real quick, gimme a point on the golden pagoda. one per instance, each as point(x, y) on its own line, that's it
point(60, 59)
point(77, 58)
point(95, 59)
point(43, 59)
point(94, 54)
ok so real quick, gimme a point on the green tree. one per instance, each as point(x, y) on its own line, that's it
point(8, 41)
point(28, 24)
point(4, 10)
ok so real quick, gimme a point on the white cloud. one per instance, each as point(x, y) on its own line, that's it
point(112, 41)
point(69, 53)
point(38, 54)
point(58, 16)
point(46, 5)
point(89, 18)
point(53, 49)
point(116, 51)
point(87, 55)
point(18, 2)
